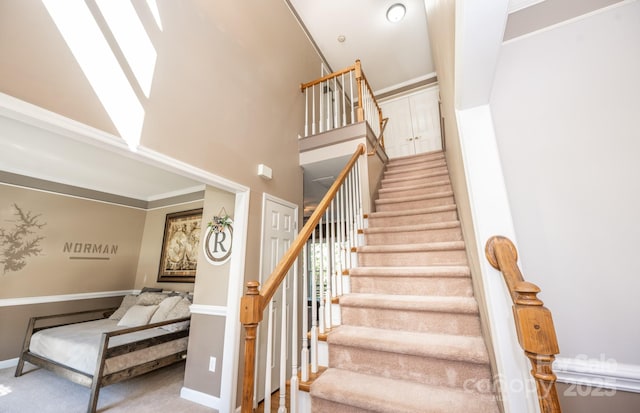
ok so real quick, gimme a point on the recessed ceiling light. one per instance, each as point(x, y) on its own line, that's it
point(342, 38)
point(396, 12)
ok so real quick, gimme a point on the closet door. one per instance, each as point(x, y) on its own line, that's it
point(425, 121)
point(414, 123)
point(398, 135)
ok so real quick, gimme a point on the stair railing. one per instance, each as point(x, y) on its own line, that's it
point(339, 99)
point(534, 325)
point(326, 258)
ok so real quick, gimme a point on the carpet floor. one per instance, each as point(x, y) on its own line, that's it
point(41, 391)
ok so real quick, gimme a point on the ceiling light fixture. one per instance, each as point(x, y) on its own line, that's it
point(396, 12)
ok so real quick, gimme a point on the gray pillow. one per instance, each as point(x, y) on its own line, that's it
point(164, 308)
point(137, 315)
point(150, 298)
point(127, 302)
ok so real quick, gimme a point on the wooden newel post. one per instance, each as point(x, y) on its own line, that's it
point(250, 316)
point(360, 109)
point(534, 324)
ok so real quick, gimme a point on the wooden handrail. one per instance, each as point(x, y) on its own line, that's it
point(330, 76)
point(534, 325)
point(255, 301)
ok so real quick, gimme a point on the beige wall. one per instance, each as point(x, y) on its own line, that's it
point(586, 399)
point(225, 94)
point(73, 223)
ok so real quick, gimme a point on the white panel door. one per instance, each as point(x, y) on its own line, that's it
point(425, 121)
point(279, 229)
point(398, 134)
point(414, 124)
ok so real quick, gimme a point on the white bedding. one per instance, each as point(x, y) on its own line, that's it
point(76, 345)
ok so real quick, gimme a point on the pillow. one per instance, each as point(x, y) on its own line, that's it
point(137, 315)
point(163, 309)
point(150, 298)
point(151, 290)
point(180, 310)
point(127, 302)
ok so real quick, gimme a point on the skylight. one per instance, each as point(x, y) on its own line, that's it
point(100, 64)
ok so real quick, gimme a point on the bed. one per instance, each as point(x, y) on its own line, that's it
point(102, 347)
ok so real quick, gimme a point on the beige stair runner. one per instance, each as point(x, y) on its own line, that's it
point(410, 339)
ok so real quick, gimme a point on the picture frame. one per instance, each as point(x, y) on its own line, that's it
point(180, 246)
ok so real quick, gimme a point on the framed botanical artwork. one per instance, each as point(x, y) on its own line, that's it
point(180, 246)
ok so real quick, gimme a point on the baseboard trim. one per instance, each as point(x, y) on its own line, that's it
point(10, 302)
point(6, 364)
point(607, 374)
point(200, 398)
point(208, 309)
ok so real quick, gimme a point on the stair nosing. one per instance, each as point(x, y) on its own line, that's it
point(415, 303)
point(413, 228)
point(413, 198)
point(417, 211)
point(421, 247)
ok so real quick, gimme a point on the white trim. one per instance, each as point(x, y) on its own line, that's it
point(7, 364)
point(10, 302)
point(607, 374)
point(570, 21)
point(216, 310)
point(34, 115)
point(200, 398)
point(405, 83)
point(408, 93)
point(185, 191)
point(233, 328)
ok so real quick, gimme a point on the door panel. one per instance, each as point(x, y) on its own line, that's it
point(425, 120)
point(279, 231)
point(399, 131)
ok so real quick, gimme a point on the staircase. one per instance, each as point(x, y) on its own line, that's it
point(410, 338)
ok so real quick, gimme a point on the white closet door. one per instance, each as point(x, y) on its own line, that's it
point(398, 135)
point(425, 119)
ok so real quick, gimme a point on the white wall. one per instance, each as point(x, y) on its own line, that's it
point(566, 107)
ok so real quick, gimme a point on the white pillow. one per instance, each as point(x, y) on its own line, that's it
point(164, 308)
point(127, 302)
point(137, 315)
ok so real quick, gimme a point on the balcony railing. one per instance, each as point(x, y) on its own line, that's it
point(340, 99)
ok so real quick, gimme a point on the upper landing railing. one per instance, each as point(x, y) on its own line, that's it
point(340, 99)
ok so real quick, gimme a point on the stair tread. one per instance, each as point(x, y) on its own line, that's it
point(422, 271)
point(425, 155)
point(414, 177)
point(421, 166)
point(417, 211)
point(428, 246)
point(413, 187)
point(442, 304)
point(386, 395)
point(412, 228)
point(401, 199)
point(469, 349)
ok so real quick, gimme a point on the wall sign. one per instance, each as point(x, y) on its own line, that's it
point(218, 239)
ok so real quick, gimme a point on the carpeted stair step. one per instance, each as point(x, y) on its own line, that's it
point(432, 280)
point(415, 169)
point(434, 359)
point(406, 234)
point(433, 253)
point(414, 202)
point(416, 162)
point(422, 178)
point(441, 315)
point(340, 391)
point(442, 185)
point(412, 159)
point(412, 216)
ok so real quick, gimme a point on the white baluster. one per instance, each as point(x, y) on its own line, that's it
point(321, 320)
point(269, 360)
point(327, 275)
point(344, 106)
point(314, 310)
point(328, 102)
point(321, 120)
point(304, 354)
point(306, 112)
point(282, 407)
point(293, 388)
point(313, 110)
point(336, 112)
